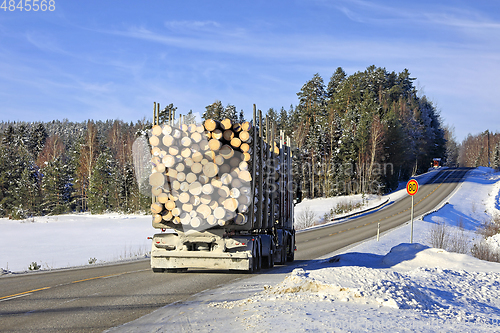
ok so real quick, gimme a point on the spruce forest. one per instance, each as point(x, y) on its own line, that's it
point(359, 133)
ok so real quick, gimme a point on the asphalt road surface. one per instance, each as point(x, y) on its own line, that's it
point(97, 298)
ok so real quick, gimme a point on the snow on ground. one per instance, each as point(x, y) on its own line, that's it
point(385, 286)
point(72, 240)
point(321, 206)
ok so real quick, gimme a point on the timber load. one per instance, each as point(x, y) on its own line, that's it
point(220, 174)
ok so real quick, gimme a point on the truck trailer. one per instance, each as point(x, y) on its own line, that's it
point(222, 194)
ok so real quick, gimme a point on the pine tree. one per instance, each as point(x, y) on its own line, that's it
point(167, 112)
point(102, 184)
point(214, 111)
point(241, 117)
point(230, 113)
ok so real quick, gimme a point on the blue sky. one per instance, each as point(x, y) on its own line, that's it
point(112, 59)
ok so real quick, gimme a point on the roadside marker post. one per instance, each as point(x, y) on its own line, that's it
point(412, 189)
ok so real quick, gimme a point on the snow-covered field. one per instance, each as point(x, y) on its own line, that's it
point(385, 286)
point(72, 240)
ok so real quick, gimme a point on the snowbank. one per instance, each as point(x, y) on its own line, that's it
point(411, 288)
point(72, 240)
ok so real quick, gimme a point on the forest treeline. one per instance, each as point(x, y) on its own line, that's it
point(359, 133)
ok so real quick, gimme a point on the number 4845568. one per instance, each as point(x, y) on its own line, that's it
point(28, 5)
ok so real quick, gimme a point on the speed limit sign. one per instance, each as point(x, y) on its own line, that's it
point(412, 187)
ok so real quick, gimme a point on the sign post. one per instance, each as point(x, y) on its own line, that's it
point(412, 189)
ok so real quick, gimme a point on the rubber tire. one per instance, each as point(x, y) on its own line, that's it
point(158, 270)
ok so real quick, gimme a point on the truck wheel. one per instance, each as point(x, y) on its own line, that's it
point(158, 270)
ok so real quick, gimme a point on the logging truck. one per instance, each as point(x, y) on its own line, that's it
point(222, 195)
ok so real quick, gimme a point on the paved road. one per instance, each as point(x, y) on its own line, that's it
point(97, 298)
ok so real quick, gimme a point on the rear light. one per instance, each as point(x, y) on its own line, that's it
point(150, 237)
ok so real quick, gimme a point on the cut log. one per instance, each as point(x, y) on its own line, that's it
point(155, 151)
point(223, 191)
point(187, 207)
point(240, 219)
point(244, 136)
point(211, 125)
point(207, 189)
point(189, 162)
point(163, 198)
point(192, 128)
point(196, 137)
point(156, 191)
point(156, 130)
point(172, 174)
point(226, 179)
point(236, 183)
point(213, 204)
point(157, 218)
point(214, 144)
point(180, 167)
point(226, 151)
point(156, 208)
point(226, 124)
point(203, 179)
point(176, 211)
point(243, 166)
point(204, 145)
point(196, 168)
point(168, 161)
point(173, 150)
point(246, 157)
point(210, 169)
point(234, 193)
point(186, 141)
point(219, 160)
point(185, 218)
point(205, 199)
point(245, 176)
point(217, 134)
point(197, 157)
point(246, 126)
point(230, 204)
point(236, 127)
point(195, 222)
point(186, 152)
point(204, 210)
point(167, 129)
point(243, 208)
point(181, 176)
point(200, 129)
point(195, 200)
point(184, 128)
point(167, 216)
point(176, 185)
point(191, 177)
point(235, 142)
point(184, 197)
point(211, 220)
point(168, 140)
point(170, 205)
point(184, 187)
point(245, 147)
point(216, 182)
point(154, 141)
point(176, 133)
point(228, 135)
point(156, 179)
point(195, 188)
point(219, 213)
point(224, 168)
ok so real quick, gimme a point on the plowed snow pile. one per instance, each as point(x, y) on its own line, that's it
point(463, 290)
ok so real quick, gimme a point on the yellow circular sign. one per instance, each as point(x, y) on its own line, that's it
point(412, 187)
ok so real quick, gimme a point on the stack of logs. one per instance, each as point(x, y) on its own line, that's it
point(201, 174)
